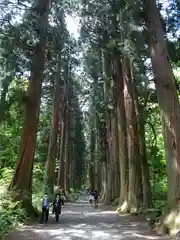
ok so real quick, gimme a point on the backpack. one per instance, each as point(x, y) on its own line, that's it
point(96, 195)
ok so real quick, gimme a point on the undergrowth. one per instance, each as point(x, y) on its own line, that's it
point(11, 213)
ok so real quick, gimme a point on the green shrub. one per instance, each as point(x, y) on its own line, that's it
point(5, 179)
point(11, 213)
point(160, 188)
point(37, 186)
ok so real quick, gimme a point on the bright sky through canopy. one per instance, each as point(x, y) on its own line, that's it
point(73, 25)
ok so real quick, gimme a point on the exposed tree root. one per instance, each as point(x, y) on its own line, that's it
point(127, 208)
point(123, 209)
point(169, 223)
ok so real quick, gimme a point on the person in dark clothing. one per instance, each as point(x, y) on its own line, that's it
point(58, 202)
point(91, 199)
point(96, 198)
point(45, 209)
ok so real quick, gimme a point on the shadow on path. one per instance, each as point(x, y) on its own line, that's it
point(80, 221)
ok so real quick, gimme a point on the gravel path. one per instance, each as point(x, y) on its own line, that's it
point(80, 221)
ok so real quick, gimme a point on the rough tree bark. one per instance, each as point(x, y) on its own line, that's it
point(167, 95)
point(91, 165)
point(135, 174)
point(67, 125)
point(61, 157)
point(52, 151)
point(109, 159)
point(22, 179)
point(117, 160)
point(103, 126)
point(115, 151)
point(147, 193)
point(122, 130)
point(65, 165)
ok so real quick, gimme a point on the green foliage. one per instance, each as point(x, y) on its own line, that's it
point(159, 189)
point(5, 177)
point(11, 213)
point(37, 186)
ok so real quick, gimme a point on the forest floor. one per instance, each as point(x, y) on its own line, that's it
point(80, 221)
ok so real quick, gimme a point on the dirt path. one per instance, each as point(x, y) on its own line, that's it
point(80, 221)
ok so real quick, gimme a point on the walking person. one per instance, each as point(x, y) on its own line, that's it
point(57, 204)
point(96, 198)
point(45, 209)
point(91, 199)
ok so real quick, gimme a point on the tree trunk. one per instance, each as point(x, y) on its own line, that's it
point(168, 221)
point(73, 177)
point(113, 154)
point(22, 179)
point(66, 165)
point(104, 126)
point(67, 125)
point(122, 133)
point(116, 153)
point(61, 157)
point(115, 150)
point(61, 171)
point(69, 146)
point(109, 161)
point(52, 151)
point(135, 174)
point(147, 193)
point(166, 91)
point(92, 161)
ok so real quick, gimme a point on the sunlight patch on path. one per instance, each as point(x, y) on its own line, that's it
point(98, 214)
point(88, 233)
point(79, 221)
point(75, 233)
